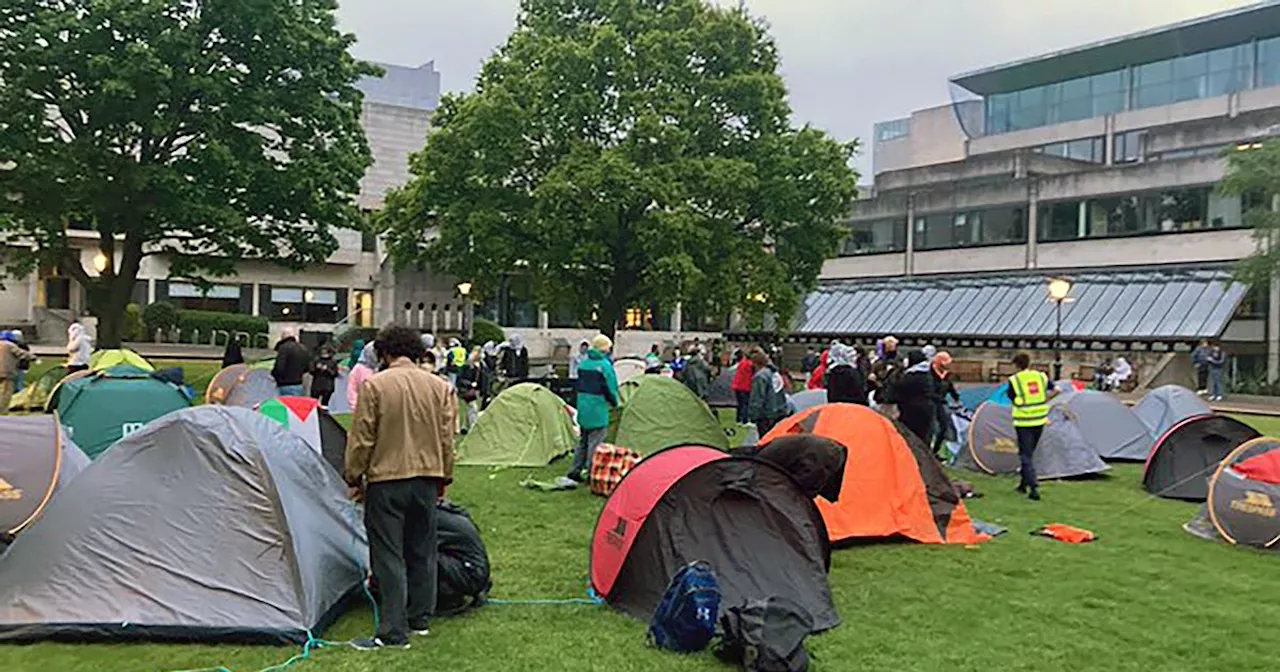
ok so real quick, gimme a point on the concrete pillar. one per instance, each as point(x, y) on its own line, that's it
point(257, 297)
point(448, 318)
point(1033, 218)
point(677, 319)
point(33, 295)
point(1273, 331)
point(1109, 141)
point(544, 320)
point(151, 292)
point(909, 264)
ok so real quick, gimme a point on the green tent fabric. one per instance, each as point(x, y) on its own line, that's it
point(106, 359)
point(525, 426)
point(106, 406)
point(659, 412)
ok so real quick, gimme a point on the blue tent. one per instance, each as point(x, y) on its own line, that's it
point(973, 397)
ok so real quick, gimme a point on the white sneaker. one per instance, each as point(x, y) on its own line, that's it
point(566, 482)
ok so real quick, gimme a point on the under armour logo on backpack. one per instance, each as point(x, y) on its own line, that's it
point(704, 614)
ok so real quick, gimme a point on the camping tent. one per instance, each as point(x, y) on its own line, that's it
point(629, 368)
point(972, 397)
point(1107, 425)
point(106, 359)
point(659, 412)
point(525, 426)
point(1166, 406)
point(241, 385)
point(891, 488)
point(745, 517)
point(103, 407)
point(304, 417)
point(36, 460)
point(993, 445)
point(1185, 456)
point(1243, 496)
point(211, 524)
point(720, 393)
point(36, 394)
point(803, 401)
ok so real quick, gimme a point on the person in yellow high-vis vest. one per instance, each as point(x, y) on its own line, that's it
point(1030, 392)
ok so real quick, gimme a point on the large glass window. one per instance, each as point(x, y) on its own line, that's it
point(1092, 150)
point(297, 304)
point(1203, 75)
point(1269, 62)
point(1166, 211)
point(1128, 147)
point(1076, 99)
point(892, 130)
point(992, 226)
point(220, 298)
point(884, 235)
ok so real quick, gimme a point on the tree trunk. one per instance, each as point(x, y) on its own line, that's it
point(609, 316)
point(109, 305)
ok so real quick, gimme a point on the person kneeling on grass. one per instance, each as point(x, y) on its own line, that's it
point(597, 394)
point(399, 460)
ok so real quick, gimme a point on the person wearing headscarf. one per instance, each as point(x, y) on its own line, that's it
point(929, 352)
point(489, 354)
point(324, 374)
point(79, 348)
point(943, 387)
point(232, 355)
point(697, 373)
point(515, 360)
point(470, 378)
point(356, 349)
point(846, 384)
point(915, 396)
point(818, 379)
point(575, 358)
point(365, 367)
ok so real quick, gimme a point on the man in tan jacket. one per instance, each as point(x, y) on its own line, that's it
point(10, 357)
point(399, 460)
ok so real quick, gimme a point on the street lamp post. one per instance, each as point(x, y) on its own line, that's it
point(1059, 289)
point(464, 290)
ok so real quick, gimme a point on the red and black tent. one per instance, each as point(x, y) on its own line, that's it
point(747, 518)
point(1244, 495)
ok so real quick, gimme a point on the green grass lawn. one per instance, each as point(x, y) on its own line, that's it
point(1147, 596)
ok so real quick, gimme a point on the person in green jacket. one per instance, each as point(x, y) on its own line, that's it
point(597, 394)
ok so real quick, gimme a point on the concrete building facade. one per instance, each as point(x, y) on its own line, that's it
point(1102, 157)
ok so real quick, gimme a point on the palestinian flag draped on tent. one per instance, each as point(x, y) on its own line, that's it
point(304, 417)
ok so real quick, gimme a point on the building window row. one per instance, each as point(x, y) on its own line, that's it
point(1166, 211)
point(971, 228)
point(1091, 150)
point(892, 130)
point(1206, 74)
point(876, 237)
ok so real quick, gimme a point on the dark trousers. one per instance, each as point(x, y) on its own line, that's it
point(941, 425)
point(1202, 378)
point(585, 452)
point(765, 426)
point(323, 396)
point(744, 400)
point(400, 517)
point(1028, 439)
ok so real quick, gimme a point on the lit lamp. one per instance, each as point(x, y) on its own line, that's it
point(1059, 291)
point(100, 262)
point(464, 290)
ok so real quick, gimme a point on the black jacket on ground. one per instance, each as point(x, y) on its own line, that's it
point(292, 361)
point(846, 385)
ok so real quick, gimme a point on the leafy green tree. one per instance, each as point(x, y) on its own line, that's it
point(628, 153)
point(207, 132)
point(1254, 175)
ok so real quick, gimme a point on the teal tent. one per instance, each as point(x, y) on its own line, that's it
point(103, 407)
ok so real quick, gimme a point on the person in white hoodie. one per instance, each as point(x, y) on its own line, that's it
point(79, 348)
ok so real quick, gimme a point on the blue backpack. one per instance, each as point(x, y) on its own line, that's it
point(685, 620)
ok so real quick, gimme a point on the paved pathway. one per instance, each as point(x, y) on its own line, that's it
point(164, 351)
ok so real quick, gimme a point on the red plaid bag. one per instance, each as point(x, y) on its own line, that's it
point(608, 466)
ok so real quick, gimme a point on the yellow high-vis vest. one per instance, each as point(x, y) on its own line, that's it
point(1031, 405)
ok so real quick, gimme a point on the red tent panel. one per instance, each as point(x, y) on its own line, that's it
point(1264, 468)
point(630, 504)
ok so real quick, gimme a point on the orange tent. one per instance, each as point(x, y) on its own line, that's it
point(891, 487)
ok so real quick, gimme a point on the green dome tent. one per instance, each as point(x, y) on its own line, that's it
point(106, 359)
point(103, 407)
point(525, 426)
point(659, 412)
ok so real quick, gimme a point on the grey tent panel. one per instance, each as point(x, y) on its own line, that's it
point(37, 459)
point(1165, 407)
point(211, 523)
point(1107, 425)
point(1154, 305)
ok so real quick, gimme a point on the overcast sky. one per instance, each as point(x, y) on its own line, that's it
point(848, 63)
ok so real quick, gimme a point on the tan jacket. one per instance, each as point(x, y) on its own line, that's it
point(10, 355)
point(403, 427)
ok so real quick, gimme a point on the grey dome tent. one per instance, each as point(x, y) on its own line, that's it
point(1107, 425)
point(37, 459)
point(210, 524)
point(1166, 406)
point(1187, 455)
point(993, 446)
point(803, 401)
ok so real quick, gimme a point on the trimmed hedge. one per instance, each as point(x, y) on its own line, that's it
point(207, 321)
point(160, 316)
point(483, 331)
